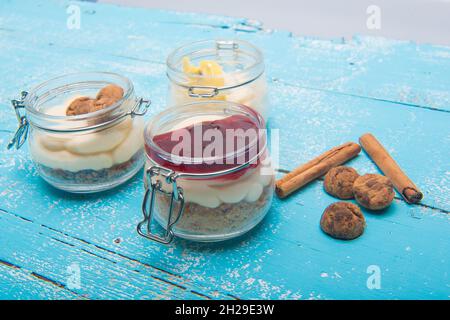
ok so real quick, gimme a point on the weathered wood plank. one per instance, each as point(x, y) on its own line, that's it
point(286, 257)
point(416, 75)
point(50, 254)
point(19, 284)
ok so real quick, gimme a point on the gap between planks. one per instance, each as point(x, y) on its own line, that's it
point(341, 93)
point(41, 278)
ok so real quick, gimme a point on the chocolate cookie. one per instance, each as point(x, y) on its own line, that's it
point(339, 182)
point(373, 191)
point(343, 220)
point(80, 105)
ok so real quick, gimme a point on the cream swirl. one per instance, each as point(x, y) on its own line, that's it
point(93, 150)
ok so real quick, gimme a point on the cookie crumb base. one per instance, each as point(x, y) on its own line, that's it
point(202, 224)
point(91, 181)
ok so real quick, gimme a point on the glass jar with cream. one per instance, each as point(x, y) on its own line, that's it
point(85, 130)
point(208, 174)
point(225, 70)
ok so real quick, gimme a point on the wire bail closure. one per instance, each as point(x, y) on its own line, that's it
point(21, 134)
point(140, 108)
point(227, 45)
point(203, 92)
point(153, 185)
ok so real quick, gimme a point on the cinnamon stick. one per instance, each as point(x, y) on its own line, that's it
point(316, 168)
point(409, 191)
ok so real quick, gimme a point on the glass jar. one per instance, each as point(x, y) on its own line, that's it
point(88, 152)
point(226, 70)
point(208, 174)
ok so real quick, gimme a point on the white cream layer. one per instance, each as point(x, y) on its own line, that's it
point(95, 151)
point(212, 194)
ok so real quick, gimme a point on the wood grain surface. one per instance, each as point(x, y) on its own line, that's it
point(322, 93)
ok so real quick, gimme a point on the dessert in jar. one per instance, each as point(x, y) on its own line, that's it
point(225, 70)
point(85, 130)
point(208, 174)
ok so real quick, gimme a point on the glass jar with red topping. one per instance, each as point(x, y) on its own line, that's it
point(208, 172)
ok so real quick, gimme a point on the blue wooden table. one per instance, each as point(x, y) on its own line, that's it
point(323, 93)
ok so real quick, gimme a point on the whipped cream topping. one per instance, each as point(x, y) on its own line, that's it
point(212, 193)
point(93, 150)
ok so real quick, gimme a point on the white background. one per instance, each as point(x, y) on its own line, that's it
point(423, 21)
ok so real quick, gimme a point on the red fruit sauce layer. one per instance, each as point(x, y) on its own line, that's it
point(174, 141)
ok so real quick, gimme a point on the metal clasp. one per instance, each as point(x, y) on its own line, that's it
point(152, 186)
point(140, 108)
point(203, 92)
point(226, 45)
point(21, 133)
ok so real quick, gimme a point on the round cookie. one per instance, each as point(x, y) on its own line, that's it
point(79, 106)
point(343, 220)
point(107, 96)
point(373, 191)
point(103, 103)
point(110, 91)
point(339, 182)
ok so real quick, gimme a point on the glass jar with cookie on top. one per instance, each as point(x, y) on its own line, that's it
point(84, 130)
